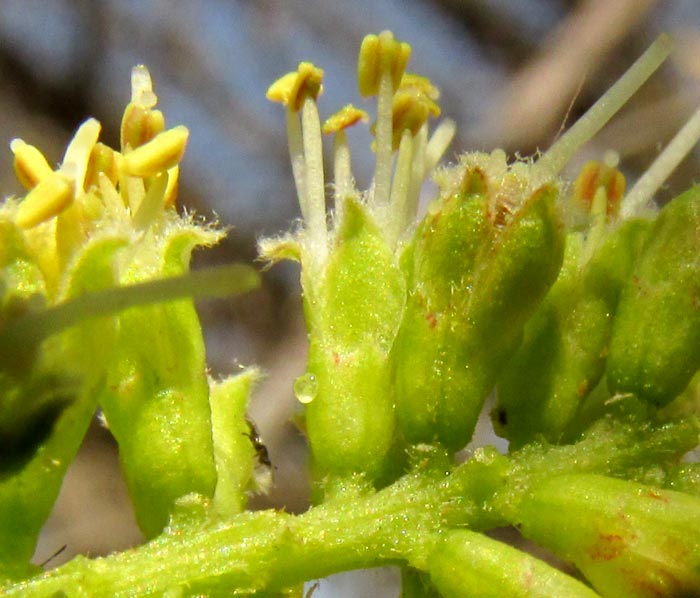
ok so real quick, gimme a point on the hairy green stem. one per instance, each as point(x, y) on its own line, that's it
point(272, 550)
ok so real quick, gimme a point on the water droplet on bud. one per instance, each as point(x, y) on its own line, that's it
point(306, 388)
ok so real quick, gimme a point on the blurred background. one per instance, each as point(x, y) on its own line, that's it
point(512, 74)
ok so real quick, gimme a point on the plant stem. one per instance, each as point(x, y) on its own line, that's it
point(272, 550)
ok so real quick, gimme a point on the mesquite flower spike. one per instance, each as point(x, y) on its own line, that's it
point(432, 334)
point(626, 538)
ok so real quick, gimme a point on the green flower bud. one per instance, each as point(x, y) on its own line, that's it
point(467, 564)
point(655, 345)
point(565, 344)
point(476, 270)
point(626, 538)
point(353, 313)
point(156, 398)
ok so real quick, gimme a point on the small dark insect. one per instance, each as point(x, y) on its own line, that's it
point(260, 448)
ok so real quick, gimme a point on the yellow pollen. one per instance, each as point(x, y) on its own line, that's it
point(161, 153)
point(48, 199)
point(410, 110)
point(381, 54)
point(420, 84)
point(30, 165)
point(293, 88)
point(344, 118)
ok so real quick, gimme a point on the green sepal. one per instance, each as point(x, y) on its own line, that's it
point(467, 564)
point(156, 400)
point(473, 283)
point(234, 454)
point(655, 345)
point(353, 313)
point(562, 357)
point(626, 538)
point(59, 386)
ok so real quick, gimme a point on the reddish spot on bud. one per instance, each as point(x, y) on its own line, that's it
point(608, 547)
point(432, 319)
point(657, 496)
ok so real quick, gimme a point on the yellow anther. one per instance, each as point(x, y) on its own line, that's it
point(48, 199)
point(380, 54)
point(344, 118)
point(293, 88)
point(103, 159)
point(595, 175)
point(30, 165)
point(162, 152)
point(140, 125)
point(420, 84)
point(410, 110)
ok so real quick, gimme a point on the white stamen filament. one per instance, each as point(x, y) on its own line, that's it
point(641, 195)
point(383, 136)
point(418, 172)
point(315, 217)
point(400, 186)
point(342, 169)
point(296, 157)
point(438, 144)
point(596, 232)
point(554, 160)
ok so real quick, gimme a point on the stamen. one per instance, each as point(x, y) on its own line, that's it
point(596, 232)
point(79, 150)
point(418, 172)
point(103, 159)
point(342, 170)
point(142, 87)
point(295, 144)
point(152, 204)
point(293, 88)
point(400, 188)
point(438, 144)
point(48, 199)
point(380, 67)
point(30, 164)
point(561, 152)
point(383, 135)
point(170, 195)
point(642, 193)
point(164, 151)
point(315, 185)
